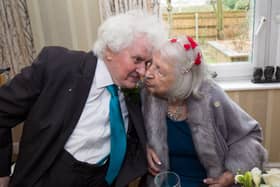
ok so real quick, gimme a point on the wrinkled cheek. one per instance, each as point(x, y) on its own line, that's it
point(159, 91)
point(128, 76)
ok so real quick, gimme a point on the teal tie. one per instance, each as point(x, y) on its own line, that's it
point(118, 136)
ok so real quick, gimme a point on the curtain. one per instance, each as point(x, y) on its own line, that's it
point(16, 41)
point(112, 7)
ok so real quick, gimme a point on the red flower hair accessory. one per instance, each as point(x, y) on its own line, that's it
point(197, 62)
point(198, 59)
point(191, 45)
point(192, 42)
point(187, 46)
point(173, 40)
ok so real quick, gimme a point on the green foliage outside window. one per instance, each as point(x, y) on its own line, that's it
point(237, 4)
point(230, 3)
point(242, 5)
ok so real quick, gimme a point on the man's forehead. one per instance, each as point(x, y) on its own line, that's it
point(142, 43)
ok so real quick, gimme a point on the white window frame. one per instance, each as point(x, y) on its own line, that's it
point(273, 54)
point(261, 47)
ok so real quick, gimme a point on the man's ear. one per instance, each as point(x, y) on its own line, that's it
point(108, 54)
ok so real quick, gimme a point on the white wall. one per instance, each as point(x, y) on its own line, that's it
point(69, 23)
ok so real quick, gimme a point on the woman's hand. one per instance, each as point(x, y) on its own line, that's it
point(225, 180)
point(4, 181)
point(153, 161)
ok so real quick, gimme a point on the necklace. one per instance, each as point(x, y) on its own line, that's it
point(177, 113)
point(174, 115)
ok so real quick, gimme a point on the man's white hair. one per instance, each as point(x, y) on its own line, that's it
point(118, 32)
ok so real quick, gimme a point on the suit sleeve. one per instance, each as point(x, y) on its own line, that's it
point(242, 135)
point(5, 151)
point(16, 99)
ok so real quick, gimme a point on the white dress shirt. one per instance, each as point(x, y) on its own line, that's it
point(90, 140)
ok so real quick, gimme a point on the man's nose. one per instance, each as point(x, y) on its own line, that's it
point(141, 69)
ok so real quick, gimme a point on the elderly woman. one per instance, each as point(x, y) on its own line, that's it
point(193, 127)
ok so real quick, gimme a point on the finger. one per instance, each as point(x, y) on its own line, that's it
point(215, 185)
point(210, 181)
point(152, 165)
point(152, 172)
point(155, 158)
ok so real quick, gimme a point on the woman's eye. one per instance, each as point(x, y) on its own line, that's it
point(148, 64)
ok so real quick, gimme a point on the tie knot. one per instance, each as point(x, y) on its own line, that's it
point(113, 90)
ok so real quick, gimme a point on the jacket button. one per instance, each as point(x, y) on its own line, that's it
point(217, 104)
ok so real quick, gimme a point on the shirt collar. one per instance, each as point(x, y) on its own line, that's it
point(102, 75)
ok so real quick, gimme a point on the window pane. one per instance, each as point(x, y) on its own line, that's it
point(222, 27)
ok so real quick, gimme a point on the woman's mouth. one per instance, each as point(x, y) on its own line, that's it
point(148, 83)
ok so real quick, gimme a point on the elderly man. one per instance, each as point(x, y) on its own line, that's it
point(80, 128)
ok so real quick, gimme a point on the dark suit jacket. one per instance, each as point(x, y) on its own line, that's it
point(49, 96)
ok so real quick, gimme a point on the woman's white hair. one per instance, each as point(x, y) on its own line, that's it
point(118, 32)
point(186, 72)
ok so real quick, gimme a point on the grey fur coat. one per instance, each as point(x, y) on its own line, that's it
point(225, 136)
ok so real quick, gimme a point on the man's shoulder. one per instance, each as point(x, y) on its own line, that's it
point(57, 56)
point(60, 60)
point(57, 51)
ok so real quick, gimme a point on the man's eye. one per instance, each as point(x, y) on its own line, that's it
point(138, 60)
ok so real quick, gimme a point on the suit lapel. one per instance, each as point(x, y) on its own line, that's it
point(79, 91)
point(135, 114)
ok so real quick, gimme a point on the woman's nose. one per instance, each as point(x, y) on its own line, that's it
point(141, 69)
point(149, 73)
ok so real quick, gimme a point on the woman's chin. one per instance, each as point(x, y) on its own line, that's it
point(157, 94)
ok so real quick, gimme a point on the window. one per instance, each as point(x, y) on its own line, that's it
point(233, 34)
